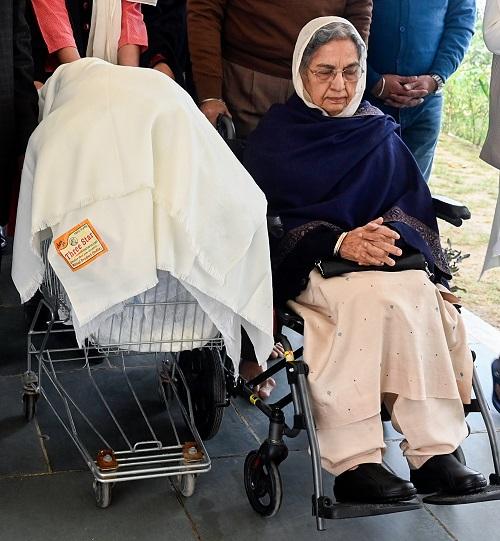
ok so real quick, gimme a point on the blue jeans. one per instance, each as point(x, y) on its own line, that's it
point(420, 127)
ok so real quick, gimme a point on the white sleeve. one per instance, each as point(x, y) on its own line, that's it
point(491, 26)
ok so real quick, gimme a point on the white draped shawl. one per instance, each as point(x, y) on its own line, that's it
point(128, 150)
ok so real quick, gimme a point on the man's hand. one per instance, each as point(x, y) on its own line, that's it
point(371, 244)
point(423, 82)
point(416, 90)
point(213, 108)
point(399, 91)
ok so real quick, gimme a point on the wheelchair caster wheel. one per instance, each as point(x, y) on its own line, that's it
point(102, 493)
point(262, 485)
point(29, 405)
point(186, 484)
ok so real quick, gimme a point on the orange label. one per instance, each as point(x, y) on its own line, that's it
point(80, 245)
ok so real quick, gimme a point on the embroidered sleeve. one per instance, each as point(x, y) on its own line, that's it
point(292, 238)
point(430, 237)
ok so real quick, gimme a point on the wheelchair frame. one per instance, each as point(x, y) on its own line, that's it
point(274, 450)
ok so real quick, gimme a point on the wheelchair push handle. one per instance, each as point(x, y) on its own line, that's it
point(449, 210)
point(225, 126)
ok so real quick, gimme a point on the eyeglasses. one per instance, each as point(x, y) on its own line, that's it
point(350, 74)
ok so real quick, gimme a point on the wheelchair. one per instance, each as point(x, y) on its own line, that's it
point(263, 484)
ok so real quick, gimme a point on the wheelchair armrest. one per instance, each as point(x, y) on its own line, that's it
point(287, 318)
point(450, 210)
point(275, 227)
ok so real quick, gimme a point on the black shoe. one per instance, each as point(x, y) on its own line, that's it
point(372, 483)
point(444, 473)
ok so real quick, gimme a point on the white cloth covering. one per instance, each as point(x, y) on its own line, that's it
point(128, 150)
point(305, 36)
point(146, 323)
point(105, 28)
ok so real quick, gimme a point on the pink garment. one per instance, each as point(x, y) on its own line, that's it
point(133, 28)
point(53, 20)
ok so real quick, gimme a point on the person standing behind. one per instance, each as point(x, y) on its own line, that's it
point(490, 152)
point(113, 30)
point(18, 100)
point(167, 39)
point(241, 51)
point(414, 47)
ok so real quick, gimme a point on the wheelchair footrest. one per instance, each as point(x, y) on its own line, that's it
point(489, 493)
point(331, 510)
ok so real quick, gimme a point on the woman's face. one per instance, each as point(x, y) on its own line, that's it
point(334, 93)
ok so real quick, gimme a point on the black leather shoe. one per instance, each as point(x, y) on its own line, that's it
point(372, 483)
point(444, 473)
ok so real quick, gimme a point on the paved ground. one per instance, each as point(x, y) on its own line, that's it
point(45, 487)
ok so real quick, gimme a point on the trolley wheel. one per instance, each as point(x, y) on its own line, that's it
point(204, 374)
point(29, 405)
point(186, 484)
point(102, 493)
point(459, 455)
point(262, 485)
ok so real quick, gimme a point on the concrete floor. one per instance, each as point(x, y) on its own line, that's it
point(46, 489)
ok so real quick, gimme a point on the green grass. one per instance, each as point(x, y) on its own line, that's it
point(459, 173)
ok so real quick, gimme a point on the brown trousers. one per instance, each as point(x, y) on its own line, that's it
point(249, 95)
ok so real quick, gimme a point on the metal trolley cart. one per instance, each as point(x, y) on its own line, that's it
point(133, 406)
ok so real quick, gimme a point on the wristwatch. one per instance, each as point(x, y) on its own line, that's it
point(439, 83)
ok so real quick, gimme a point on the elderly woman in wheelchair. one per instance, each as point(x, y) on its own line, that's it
point(351, 198)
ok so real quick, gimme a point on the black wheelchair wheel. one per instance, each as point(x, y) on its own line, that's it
point(262, 485)
point(204, 374)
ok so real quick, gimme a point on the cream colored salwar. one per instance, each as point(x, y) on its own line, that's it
point(371, 334)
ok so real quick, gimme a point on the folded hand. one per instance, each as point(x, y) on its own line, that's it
point(371, 244)
point(400, 91)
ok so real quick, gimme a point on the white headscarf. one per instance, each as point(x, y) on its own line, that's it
point(105, 28)
point(303, 40)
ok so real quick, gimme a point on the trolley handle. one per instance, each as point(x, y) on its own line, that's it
point(147, 445)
